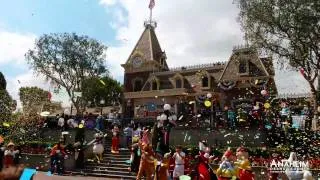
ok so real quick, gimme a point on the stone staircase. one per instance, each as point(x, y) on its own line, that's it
point(113, 166)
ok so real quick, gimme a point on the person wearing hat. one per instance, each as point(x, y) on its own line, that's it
point(58, 155)
point(9, 155)
point(243, 167)
point(162, 167)
point(203, 168)
point(226, 170)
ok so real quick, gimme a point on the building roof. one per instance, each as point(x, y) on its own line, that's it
point(148, 45)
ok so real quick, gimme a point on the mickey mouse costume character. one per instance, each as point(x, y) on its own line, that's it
point(98, 146)
point(244, 171)
point(226, 170)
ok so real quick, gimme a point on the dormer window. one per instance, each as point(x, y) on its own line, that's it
point(154, 85)
point(243, 67)
point(178, 83)
point(205, 81)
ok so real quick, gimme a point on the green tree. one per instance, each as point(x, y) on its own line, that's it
point(6, 102)
point(67, 60)
point(288, 29)
point(33, 99)
point(97, 89)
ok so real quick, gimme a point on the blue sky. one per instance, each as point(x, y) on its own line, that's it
point(191, 32)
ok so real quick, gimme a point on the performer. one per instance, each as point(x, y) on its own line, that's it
point(226, 170)
point(115, 140)
point(166, 122)
point(9, 155)
point(98, 146)
point(203, 168)
point(135, 156)
point(243, 167)
point(162, 167)
point(179, 158)
point(146, 163)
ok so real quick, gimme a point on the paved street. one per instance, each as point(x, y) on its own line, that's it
point(42, 176)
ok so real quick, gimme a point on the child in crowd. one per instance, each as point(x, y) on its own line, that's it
point(179, 157)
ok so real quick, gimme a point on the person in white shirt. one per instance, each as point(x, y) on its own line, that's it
point(179, 157)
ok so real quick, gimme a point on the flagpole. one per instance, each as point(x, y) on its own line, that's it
point(150, 16)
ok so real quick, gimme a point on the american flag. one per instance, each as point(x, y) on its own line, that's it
point(152, 4)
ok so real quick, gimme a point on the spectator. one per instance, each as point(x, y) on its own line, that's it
point(179, 157)
point(128, 131)
point(99, 123)
point(61, 123)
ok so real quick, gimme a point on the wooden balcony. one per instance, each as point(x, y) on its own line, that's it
point(159, 93)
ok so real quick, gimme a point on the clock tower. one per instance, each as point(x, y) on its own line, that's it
point(147, 57)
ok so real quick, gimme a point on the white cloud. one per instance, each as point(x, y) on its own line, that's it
point(13, 46)
point(191, 32)
point(108, 2)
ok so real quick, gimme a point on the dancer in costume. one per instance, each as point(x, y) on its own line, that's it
point(179, 157)
point(293, 174)
point(162, 167)
point(226, 169)
point(203, 168)
point(146, 163)
point(135, 156)
point(243, 167)
point(98, 146)
point(115, 140)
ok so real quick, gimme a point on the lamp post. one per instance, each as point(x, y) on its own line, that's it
point(102, 102)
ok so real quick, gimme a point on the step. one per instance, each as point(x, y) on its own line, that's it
point(109, 164)
point(114, 161)
point(103, 171)
point(113, 176)
point(116, 158)
point(107, 168)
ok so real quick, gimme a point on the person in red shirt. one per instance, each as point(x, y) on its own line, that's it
point(57, 156)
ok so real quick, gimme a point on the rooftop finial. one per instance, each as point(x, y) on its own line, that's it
point(150, 22)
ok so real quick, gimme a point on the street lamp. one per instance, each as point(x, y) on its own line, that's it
point(102, 102)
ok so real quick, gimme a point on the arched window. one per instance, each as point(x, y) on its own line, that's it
point(178, 83)
point(243, 67)
point(154, 85)
point(205, 81)
point(137, 85)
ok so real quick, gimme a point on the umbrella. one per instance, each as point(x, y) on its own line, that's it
point(45, 113)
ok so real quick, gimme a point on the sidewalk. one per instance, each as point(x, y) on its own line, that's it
point(43, 175)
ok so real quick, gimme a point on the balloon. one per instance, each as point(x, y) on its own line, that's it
point(81, 126)
point(267, 105)
point(209, 95)
point(264, 92)
point(167, 107)
point(207, 103)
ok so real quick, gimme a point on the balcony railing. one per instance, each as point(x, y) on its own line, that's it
point(154, 93)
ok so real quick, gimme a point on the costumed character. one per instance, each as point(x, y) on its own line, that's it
point(135, 156)
point(147, 162)
point(204, 170)
point(226, 169)
point(293, 174)
point(243, 167)
point(98, 146)
point(146, 136)
point(179, 158)
point(162, 167)
point(115, 140)
point(167, 121)
point(9, 155)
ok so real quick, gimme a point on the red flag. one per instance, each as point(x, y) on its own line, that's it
point(152, 4)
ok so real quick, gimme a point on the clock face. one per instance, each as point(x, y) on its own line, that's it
point(136, 62)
